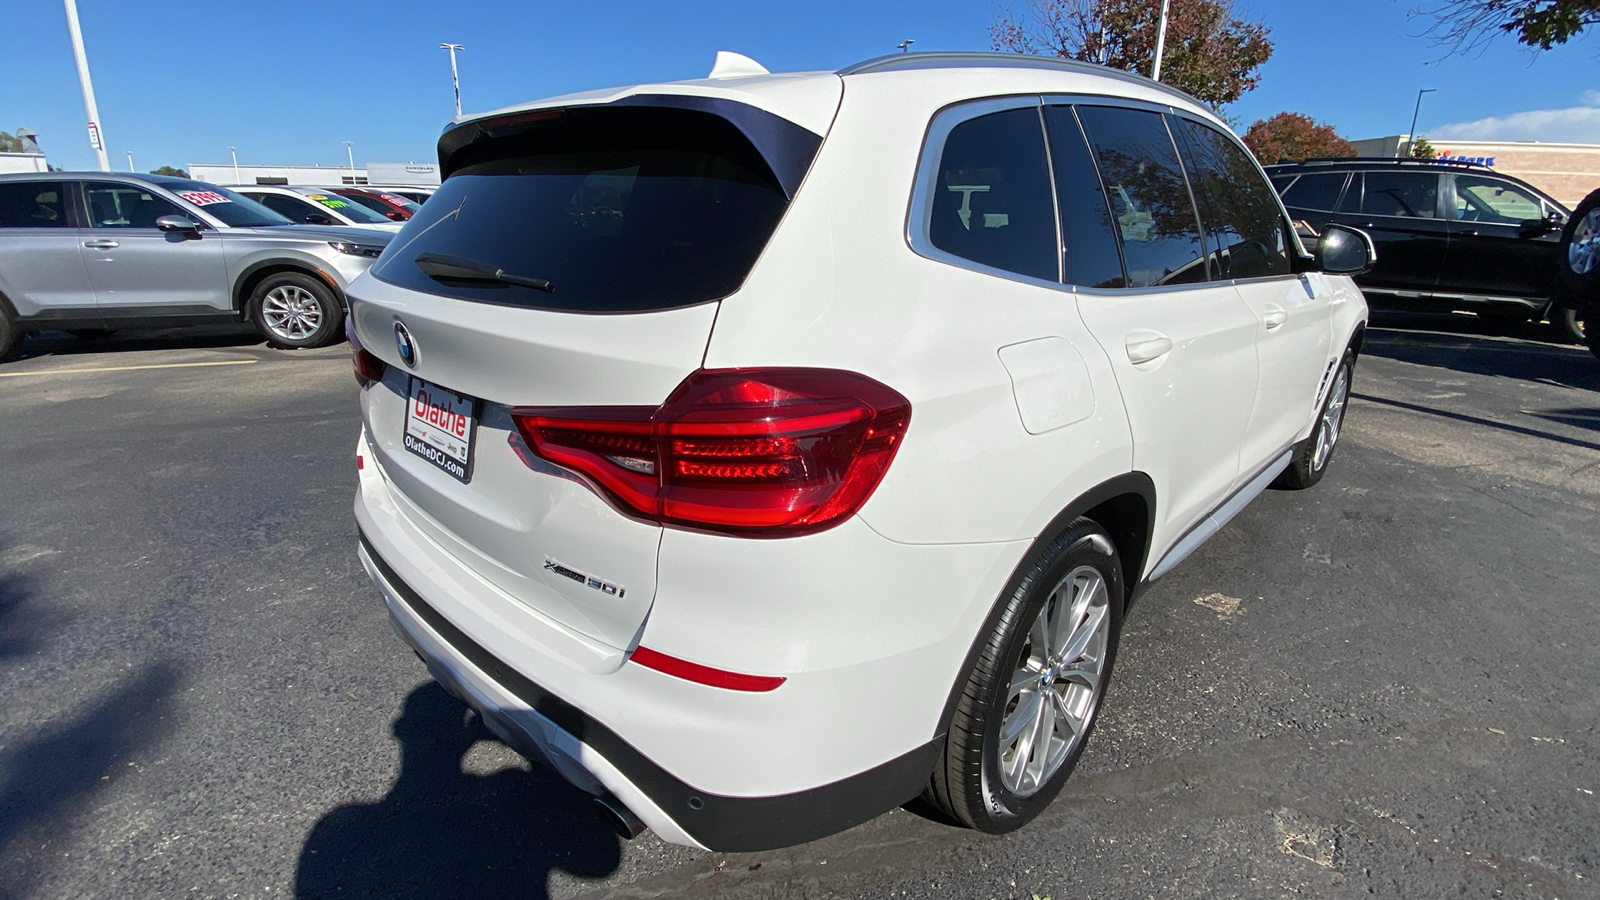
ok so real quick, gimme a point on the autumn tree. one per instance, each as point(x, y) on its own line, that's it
point(1465, 25)
point(1209, 52)
point(1422, 149)
point(1296, 136)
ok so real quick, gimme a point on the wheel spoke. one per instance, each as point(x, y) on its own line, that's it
point(1085, 673)
point(1084, 635)
point(1020, 718)
point(1044, 728)
point(1065, 715)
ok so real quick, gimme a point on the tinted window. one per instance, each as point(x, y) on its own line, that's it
point(1414, 195)
point(623, 208)
point(1480, 199)
point(292, 208)
point(125, 206)
point(1317, 190)
point(991, 203)
point(1352, 195)
point(230, 207)
point(33, 204)
point(372, 203)
point(1239, 208)
point(1089, 242)
point(1149, 195)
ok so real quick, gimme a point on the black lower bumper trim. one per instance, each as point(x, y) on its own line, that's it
point(732, 824)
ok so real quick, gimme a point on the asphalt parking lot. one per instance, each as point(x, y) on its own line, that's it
point(1386, 685)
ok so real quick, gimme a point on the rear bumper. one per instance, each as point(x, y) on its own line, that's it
point(543, 726)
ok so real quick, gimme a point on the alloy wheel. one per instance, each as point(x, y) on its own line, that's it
point(1583, 255)
point(1055, 689)
point(1332, 419)
point(291, 312)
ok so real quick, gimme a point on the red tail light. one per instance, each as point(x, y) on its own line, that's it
point(369, 368)
point(769, 452)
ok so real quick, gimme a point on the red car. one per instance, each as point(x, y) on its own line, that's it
point(386, 203)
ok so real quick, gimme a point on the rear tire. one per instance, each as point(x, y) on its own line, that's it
point(10, 334)
point(1312, 455)
point(1040, 675)
point(1570, 323)
point(295, 310)
point(1578, 262)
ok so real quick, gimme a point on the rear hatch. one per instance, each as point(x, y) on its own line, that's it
point(572, 258)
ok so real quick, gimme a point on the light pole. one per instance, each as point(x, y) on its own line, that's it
point(96, 139)
point(1161, 42)
point(130, 160)
point(1411, 136)
point(352, 154)
point(454, 78)
point(906, 44)
point(235, 152)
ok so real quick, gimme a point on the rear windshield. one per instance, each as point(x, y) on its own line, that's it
point(618, 209)
point(233, 209)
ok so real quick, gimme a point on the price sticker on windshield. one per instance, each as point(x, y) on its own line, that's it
point(203, 198)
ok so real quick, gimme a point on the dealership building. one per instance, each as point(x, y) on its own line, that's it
point(317, 176)
point(1567, 172)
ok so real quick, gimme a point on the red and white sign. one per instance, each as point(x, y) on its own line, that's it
point(203, 198)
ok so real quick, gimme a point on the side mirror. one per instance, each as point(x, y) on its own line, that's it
point(178, 223)
point(317, 218)
point(1342, 250)
point(1540, 227)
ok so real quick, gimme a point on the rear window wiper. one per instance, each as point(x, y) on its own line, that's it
point(459, 268)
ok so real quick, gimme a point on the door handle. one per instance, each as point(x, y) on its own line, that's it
point(1144, 346)
point(1274, 317)
point(100, 245)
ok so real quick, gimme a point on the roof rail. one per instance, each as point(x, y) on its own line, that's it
point(1390, 160)
point(991, 59)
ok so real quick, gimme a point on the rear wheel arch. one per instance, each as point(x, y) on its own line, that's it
point(1125, 506)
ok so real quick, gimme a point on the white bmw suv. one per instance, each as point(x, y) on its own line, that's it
point(764, 451)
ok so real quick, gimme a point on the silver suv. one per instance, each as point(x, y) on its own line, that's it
point(86, 252)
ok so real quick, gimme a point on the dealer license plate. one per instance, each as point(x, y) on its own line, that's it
point(439, 427)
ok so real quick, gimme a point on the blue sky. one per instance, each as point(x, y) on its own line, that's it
point(288, 82)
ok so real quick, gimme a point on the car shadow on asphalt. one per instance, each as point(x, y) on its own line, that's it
point(200, 337)
point(1467, 344)
point(49, 778)
point(444, 833)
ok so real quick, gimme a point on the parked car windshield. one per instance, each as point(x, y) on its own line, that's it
point(219, 202)
point(620, 209)
point(346, 207)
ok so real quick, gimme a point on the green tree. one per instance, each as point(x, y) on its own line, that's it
point(9, 143)
point(1295, 136)
point(168, 170)
point(1421, 149)
point(1210, 52)
point(1466, 25)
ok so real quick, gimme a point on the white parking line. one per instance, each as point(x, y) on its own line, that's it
point(190, 365)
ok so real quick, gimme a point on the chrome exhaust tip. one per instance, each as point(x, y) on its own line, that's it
point(619, 817)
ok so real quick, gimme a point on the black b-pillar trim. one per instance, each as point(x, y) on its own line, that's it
point(732, 824)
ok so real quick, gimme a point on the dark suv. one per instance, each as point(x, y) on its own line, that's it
point(1450, 235)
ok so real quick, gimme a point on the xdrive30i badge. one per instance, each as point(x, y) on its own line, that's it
point(604, 587)
point(404, 343)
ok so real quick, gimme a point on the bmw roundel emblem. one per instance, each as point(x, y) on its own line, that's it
point(406, 346)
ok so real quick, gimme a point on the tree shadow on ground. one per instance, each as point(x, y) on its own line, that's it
point(47, 781)
point(1466, 344)
point(443, 833)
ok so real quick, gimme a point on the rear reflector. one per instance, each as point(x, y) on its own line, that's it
point(758, 452)
point(688, 671)
point(369, 368)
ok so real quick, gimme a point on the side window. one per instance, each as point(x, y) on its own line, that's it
point(33, 204)
point(1411, 195)
point(125, 206)
point(294, 210)
point(1352, 195)
point(1149, 195)
point(1089, 255)
point(1239, 208)
point(991, 202)
point(1480, 199)
point(1318, 190)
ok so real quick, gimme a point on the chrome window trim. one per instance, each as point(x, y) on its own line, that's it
point(919, 213)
